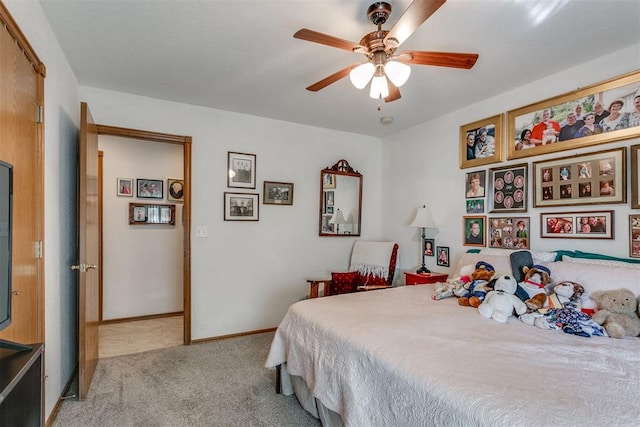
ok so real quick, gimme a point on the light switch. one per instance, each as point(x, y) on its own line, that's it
point(202, 231)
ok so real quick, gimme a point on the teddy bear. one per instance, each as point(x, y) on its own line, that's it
point(447, 288)
point(617, 312)
point(473, 292)
point(563, 312)
point(500, 303)
point(537, 279)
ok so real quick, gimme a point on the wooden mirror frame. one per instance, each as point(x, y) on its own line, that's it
point(331, 202)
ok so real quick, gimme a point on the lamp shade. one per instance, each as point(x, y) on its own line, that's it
point(379, 87)
point(397, 72)
point(361, 75)
point(337, 218)
point(423, 218)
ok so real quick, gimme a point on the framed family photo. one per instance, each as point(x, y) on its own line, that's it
point(125, 187)
point(149, 189)
point(429, 245)
point(634, 152)
point(509, 232)
point(597, 114)
point(634, 236)
point(508, 188)
point(587, 179)
point(577, 225)
point(241, 206)
point(481, 142)
point(277, 193)
point(443, 256)
point(241, 170)
point(175, 190)
point(475, 184)
point(474, 230)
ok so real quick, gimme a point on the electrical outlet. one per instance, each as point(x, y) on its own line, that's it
point(201, 231)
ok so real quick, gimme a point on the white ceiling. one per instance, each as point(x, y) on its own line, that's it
point(239, 55)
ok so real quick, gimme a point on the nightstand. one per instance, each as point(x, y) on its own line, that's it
point(424, 279)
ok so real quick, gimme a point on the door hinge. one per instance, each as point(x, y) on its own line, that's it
point(39, 114)
point(38, 249)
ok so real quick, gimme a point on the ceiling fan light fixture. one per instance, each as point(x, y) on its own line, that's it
point(379, 87)
point(397, 72)
point(361, 75)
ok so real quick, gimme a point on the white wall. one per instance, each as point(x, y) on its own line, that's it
point(422, 166)
point(142, 264)
point(246, 274)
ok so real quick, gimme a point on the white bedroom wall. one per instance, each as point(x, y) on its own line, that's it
point(422, 166)
point(246, 274)
point(142, 264)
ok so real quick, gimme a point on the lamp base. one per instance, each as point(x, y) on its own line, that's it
point(422, 270)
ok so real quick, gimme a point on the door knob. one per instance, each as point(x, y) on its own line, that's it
point(75, 267)
point(91, 266)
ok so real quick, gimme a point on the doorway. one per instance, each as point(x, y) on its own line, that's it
point(131, 327)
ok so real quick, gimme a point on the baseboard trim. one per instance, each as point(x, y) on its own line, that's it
point(147, 317)
point(224, 337)
point(56, 408)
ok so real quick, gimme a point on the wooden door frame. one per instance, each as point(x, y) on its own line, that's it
point(185, 141)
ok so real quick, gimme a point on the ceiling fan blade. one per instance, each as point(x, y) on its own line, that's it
point(412, 18)
point(325, 39)
point(440, 59)
point(394, 92)
point(332, 78)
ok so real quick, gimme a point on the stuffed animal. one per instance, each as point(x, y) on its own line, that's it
point(447, 289)
point(500, 303)
point(537, 278)
point(473, 292)
point(617, 312)
point(563, 312)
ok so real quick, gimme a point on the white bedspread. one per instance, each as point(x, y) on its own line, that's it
point(396, 358)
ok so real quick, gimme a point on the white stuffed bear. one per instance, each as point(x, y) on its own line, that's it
point(501, 301)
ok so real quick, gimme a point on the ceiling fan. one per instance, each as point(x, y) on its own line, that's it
point(387, 70)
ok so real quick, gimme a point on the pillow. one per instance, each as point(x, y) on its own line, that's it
point(538, 257)
point(343, 283)
point(501, 263)
point(596, 277)
point(595, 261)
point(589, 255)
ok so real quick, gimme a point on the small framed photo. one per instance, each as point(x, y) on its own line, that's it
point(474, 230)
point(585, 179)
point(509, 232)
point(125, 187)
point(241, 171)
point(475, 206)
point(508, 188)
point(149, 189)
point(475, 184)
point(241, 206)
point(634, 152)
point(634, 236)
point(429, 244)
point(577, 225)
point(328, 181)
point(278, 193)
point(481, 142)
point(175, 190)
point(140, 214)
point(443, 256)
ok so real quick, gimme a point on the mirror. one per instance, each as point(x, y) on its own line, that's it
point(340, 200)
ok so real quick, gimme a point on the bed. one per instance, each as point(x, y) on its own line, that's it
point(395, 357)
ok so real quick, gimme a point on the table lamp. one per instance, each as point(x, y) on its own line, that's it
point(423, 220)
point(337, 219)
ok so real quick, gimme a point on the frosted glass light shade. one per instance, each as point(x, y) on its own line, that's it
point(361, 75)
point(379, 87)
point(423, 218)
point(397, 72)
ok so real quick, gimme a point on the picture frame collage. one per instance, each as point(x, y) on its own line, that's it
point(591, 178)
point(151, 212)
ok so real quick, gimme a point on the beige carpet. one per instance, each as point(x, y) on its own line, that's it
point(221, 383)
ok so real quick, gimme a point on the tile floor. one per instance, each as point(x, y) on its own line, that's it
point(141, 335)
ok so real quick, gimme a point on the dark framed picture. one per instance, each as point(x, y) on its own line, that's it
point(475, 206)
point(475, 184)
point(277, 193)
point(429, 245)
point(474, 230)
point(577, 225)
point(443, 256)
point(241, 206)
point(587, 179)
point(634, 152)
point(509, 232)
point(241, 171)
point(125, 187)
point(149, 189)
point(592, 115)
point(481, 142)
point(175, 190)
point(634, 236)
point(151, 214)
point(508, 188)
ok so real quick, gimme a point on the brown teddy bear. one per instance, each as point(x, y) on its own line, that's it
point(537, 279)
point(617, 312)
point(473, 292)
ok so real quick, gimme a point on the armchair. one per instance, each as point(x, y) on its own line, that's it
point(372, 264)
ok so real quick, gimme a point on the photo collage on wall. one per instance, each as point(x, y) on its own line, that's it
point(509, 233)
point(592, 179)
